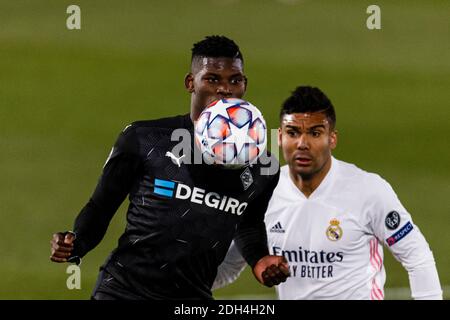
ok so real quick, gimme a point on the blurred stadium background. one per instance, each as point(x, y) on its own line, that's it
point(65, 96)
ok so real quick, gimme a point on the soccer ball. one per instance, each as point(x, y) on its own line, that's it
point(231, 132)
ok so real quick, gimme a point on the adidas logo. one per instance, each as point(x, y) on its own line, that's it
point(277, 228)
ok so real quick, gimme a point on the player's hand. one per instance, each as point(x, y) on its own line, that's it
point(271, 270)
point(61, 246)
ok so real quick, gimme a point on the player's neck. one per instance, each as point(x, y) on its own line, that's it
point(194, 116)
point(308, 184)
point(195, 111)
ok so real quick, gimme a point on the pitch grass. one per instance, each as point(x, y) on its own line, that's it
point(65, 96)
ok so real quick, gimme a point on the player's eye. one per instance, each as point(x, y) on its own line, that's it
point(236, 80)
point(291, 133)
point(316, 133)
point(212, 79)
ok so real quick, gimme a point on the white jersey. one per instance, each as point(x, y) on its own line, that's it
point(333, 240)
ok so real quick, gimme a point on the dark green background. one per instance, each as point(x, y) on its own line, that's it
point(65, 96)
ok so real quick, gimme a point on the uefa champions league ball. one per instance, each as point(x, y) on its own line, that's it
point(231, 132)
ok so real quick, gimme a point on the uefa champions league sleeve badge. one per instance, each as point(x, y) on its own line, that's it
point(392, 220)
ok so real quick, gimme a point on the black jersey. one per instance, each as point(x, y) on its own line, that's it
point(181, 217)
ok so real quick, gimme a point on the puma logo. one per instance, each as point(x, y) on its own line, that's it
point(176, 160)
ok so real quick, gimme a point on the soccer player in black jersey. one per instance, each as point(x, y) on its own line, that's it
point(181, 216)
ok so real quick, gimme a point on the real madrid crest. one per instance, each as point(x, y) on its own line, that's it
point(334, 231)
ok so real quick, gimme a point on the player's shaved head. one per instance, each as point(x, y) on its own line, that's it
point(214, 47)
point(306, 100)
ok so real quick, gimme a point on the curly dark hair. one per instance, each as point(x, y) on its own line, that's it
point(216, 46)
point(309, 99)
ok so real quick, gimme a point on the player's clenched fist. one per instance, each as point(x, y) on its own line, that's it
point(271, 270)
point(62, 246)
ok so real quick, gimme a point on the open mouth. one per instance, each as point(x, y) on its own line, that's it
point(303, 161)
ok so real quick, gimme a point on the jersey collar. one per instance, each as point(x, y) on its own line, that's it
point(323, 186)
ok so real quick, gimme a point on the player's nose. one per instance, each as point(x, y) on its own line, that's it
point(224, 90)
point(302, 142)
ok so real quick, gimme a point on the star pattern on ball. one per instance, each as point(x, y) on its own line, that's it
point(239, 136)
point(222, 111)
point(211, 142)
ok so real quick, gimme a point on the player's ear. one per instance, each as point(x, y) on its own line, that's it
point(189, 82)
point(333, 139)
point(245, 83)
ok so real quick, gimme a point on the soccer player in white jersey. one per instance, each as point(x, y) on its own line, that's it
point(330, 219)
